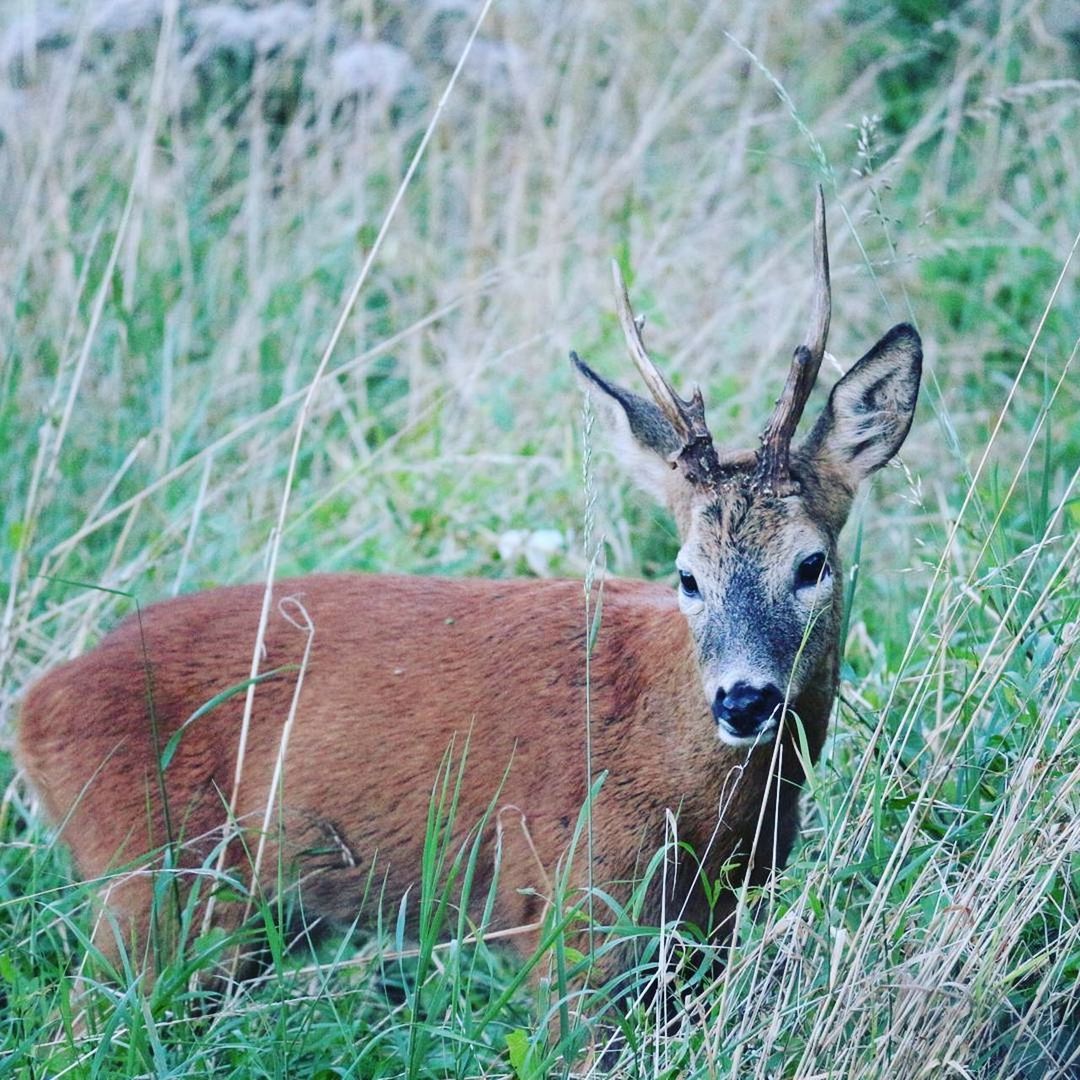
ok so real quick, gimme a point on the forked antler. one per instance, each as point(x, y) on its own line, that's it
point(773, 474)
point(697, 458)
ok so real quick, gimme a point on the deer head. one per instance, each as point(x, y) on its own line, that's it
point(759, 575)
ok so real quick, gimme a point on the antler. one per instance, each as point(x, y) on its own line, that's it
point(697, 458)
point(774, 472)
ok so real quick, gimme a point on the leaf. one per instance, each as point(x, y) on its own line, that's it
point(573, 956)
point(523, 1057)
point(208, 706)
point(517, 1043)
point(594, 628)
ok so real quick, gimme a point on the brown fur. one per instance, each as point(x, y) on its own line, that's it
point(378, 708)
point(401, 666)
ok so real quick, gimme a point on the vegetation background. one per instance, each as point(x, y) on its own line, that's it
point(189, 191)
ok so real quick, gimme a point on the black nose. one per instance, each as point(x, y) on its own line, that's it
point(744, 709)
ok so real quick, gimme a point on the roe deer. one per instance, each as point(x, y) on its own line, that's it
point(700, 700)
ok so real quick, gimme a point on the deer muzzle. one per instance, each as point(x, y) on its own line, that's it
point(745, 713)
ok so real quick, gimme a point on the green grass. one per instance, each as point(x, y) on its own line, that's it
point(179, 248)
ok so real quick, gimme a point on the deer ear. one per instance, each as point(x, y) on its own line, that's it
point(647, 444)
point(870, 409)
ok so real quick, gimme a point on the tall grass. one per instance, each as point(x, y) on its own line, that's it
point(190, 192)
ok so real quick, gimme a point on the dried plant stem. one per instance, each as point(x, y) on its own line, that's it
point(274, 546)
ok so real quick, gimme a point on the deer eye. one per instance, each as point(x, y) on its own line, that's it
point(688, 584)
point(813, 570)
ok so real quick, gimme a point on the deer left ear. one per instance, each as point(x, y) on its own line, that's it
point(870, 409)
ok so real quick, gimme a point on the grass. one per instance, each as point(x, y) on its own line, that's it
point(188, 215)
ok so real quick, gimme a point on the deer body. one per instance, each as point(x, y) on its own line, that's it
point(701, 701)
point(378, 708)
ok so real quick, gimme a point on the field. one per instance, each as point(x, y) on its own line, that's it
point(288, 287)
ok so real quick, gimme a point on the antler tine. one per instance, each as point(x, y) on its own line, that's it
point(817, 333)
point(773, 459)
point(685, 417)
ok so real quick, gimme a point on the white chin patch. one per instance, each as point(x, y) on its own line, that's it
point(762, 737)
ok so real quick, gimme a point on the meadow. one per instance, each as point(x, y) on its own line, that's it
point(292, 286)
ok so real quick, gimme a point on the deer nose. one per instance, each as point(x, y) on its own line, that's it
point(744, 709)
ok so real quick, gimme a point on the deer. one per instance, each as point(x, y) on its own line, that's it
point(708, 702)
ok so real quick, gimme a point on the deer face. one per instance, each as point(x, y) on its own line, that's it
point(759, 577)
point(758, 585)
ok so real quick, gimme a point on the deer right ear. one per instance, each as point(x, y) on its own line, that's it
point(647, 443)
point(870, 409)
